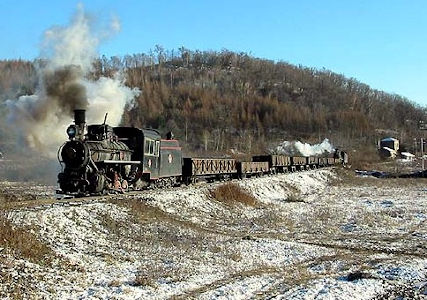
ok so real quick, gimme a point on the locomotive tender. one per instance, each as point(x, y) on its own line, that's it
point(100, 158)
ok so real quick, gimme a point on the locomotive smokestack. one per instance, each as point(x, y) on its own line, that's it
point(79, 116)
point(80, 121)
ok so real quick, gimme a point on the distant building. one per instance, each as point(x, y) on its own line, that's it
point(387, 152)
point(407, 156)
point(390, 143)
point(389, 147)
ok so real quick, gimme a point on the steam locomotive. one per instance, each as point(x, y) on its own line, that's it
point(99, 158)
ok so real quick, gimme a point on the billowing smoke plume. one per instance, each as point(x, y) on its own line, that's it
point(67, 55)
point(297, 148)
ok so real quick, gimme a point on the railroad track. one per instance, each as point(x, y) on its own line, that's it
point(46, 203)
point(68, 201)
point(65, 201)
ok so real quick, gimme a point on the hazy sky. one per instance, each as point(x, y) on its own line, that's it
point(382, 43)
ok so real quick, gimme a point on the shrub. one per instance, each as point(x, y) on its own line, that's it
point(231, 193)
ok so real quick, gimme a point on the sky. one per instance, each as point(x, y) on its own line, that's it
point(382, 43)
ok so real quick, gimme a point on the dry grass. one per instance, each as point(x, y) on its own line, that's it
point(141, 212)
point(325, 216)
point(152, 275)
point(144, 279)
point(22, 241)
point(14, 195)
point(14, 288)
point(293, 194)
point(114, 283)
point(346, 177)
point(231, 194)
point(294, 197)
point(157, 226)
point(112, 225)
point(364, 158)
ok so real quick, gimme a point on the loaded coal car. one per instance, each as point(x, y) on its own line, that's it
point(98, 158)
point(276, 163)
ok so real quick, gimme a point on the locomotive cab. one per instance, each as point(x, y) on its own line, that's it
point(151, 156)
point(145, 146)
point(170, 158)
point(159, 158)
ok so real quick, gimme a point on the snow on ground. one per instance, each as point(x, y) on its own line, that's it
point(309, 237)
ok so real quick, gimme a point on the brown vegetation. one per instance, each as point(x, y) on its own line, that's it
point(293, 194)
point(215, 101)
point(242, 100)
point(23, 242)
point(17, 77)
point(231, 194)
point(150, 277)
point(294, 197)
point(140, 212)
point(363, 158)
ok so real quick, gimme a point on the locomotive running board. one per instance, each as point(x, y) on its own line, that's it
point(123, 162)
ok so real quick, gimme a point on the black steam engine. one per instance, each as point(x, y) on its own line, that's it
point(98, 158)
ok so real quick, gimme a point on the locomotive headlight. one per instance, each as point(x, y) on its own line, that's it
point(71, 131)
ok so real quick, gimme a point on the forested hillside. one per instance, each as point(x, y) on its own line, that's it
point(215, 101)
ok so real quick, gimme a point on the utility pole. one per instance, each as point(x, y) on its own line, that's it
point(415, 146)
point(422, 153)
point(422, 126)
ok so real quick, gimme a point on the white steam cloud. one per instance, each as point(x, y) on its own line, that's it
point(297, 148)
point(63, 86)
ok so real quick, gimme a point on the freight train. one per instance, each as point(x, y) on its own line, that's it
point(99, 158)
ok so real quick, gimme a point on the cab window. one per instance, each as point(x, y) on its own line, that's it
point(151, 147)
point(147, 147)
point(157, 148)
